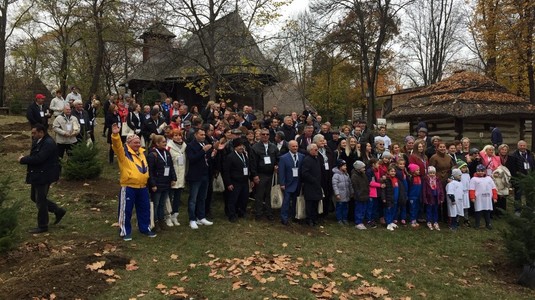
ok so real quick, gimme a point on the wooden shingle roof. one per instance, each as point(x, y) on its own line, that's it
point(462, 95)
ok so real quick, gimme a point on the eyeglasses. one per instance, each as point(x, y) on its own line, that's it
point(381, 144)
point(264, 134)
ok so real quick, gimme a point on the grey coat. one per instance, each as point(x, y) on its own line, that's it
point(342, 185)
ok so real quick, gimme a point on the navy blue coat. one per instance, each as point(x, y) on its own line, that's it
point(286, 163)
point(43, 162)
point(157, 168)
point(197, 161)
point(311, 177)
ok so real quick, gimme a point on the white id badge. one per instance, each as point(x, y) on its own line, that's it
point(245, 171)
point(69, 127)
point(82, 121)
point(267, 160)
point(327, 166)
point(295, 172)
point(119, 125)
point(526, 165)
point(42, 113)
point(166, 171)
point(180, 160)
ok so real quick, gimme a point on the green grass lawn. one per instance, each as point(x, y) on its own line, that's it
point(247, 260)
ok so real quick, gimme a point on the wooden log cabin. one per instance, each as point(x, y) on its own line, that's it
point(466, 104)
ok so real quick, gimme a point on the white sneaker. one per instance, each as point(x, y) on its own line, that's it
point(394, 225)
point(205, 222)
point(429, 225)
point(168, 221)
point(390, 227)
point(436, 227)
point(174, 219)
point(193, 225)
point(361, 227)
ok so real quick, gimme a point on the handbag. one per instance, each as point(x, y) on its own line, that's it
point(218, 185)
point(276, 193)
point(125, 129)
point(300, 209)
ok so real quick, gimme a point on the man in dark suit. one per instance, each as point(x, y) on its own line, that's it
point(154, 124)
point(199, 154)
point(43, 169)
point(523, 163)
point(326, 156)
point(305, 139)
point(240, 118)
point(281, 143)
point(289, 164)
point(310, 176)
point(289, 129)
point(38, 112)
point(83, 120)
point(264, 158)
point(236, 179)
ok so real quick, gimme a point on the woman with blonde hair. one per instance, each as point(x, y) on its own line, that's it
point(489, 159)
point(177, 148)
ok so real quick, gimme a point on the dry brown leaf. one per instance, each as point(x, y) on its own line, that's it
point(377, 272)
point(316, 264)
point(422, 294)
point(339, 251)
point(108, 272)
point(211, 255)
point(346, 275)
point(313, 275)
point(284, 245)
point(330, 268)
point(174, 256)
point(171, 274)
point(270, 279)
point(52, 296)
point(184, 278)
point(111, 280)
point(96, 265)
point(132, 266)
point(236, 285)
point(161, 286)
point(409, 285)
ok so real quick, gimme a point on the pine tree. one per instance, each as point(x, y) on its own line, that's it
point(8, 217)
point(519, 238)
point(83, 163)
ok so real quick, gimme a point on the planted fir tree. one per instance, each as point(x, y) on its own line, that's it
point(8, 217)
point(519, 237)
point(83, 163)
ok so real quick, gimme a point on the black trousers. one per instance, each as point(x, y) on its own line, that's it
point(262, 202)
point(39, 194)
point(237, 200)
point(311, 208)
point(62, 148)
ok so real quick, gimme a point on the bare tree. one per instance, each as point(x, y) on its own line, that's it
point(371, 25)
point(296, 49)
point(5, 34)
point(432, 39)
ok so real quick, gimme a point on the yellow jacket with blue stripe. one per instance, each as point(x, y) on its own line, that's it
point(133, 167)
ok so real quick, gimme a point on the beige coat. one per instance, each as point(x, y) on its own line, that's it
point(179, 155)
point(66, 129)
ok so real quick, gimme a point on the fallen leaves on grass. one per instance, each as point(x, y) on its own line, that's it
point(96, 265)
point(132, 266)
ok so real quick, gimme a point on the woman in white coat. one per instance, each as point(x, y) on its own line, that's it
point(177, 147)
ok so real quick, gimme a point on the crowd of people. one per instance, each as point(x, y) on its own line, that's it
point(356, 172)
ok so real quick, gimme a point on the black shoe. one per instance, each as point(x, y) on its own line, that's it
point(285, 222)
point(59, 215)
point(271, 218)
point(233, 220)
point(489, 227)
point(38, 230)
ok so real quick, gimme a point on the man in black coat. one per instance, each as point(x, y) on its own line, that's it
point(154, 124)
point(43, 169)
point(264, 159)
point(523, 162)
point(236, 179)
point(289, 129)
point(38, 112)
point(310, 176)
point(83, 120)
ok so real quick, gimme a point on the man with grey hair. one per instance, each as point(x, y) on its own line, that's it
point(523, 163)
point(289, 165)
point(66, 128)
point(311, 177)
point(83, 120)
point(327, 161)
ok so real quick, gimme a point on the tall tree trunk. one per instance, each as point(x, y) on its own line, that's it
point(3, 24)
point(63, 70)
point(99, 57)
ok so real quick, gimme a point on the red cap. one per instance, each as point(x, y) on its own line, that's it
point(40, 96)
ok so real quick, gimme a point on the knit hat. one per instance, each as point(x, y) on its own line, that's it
point(413, 168)
point(386, 154)
point(431, 169)
point(423, 129)
point(358, 165)
point(340, 162)
point(461, 164)
point(474, 151)
point(480, 167)
point(409, 138)
point(456, 173)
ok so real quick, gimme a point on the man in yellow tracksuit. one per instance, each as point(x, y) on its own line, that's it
point(134, 176)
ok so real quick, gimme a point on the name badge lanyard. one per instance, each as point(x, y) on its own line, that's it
point(205, 154)
point(242, 158)
point(167, 169)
